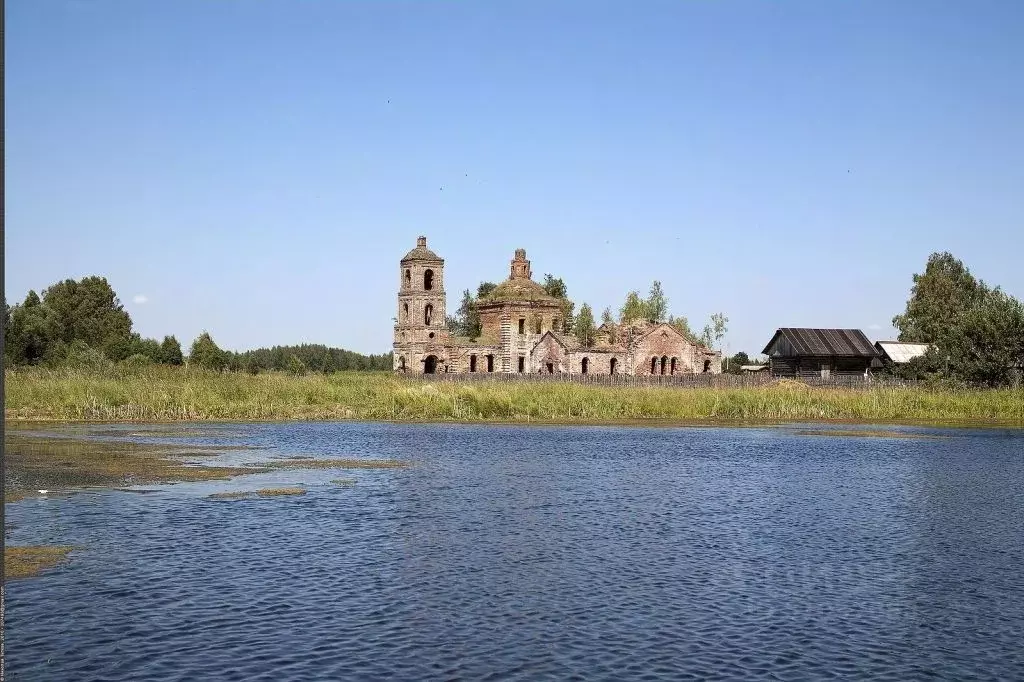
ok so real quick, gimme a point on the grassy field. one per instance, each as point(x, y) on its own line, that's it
point(176, 394)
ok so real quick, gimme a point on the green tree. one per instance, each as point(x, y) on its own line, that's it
point(608, 322)
point(89, 310)
point(33, 331)
point(719, 326)
point(584, 328)
point(633, 310)
point(327, 364)
point(296, 366)
point(939, 300)
point(733, 364)
point(656, 304)
point(555, 287)
point(206, 354)
point(170, 351)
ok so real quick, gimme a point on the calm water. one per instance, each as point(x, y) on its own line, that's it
point(533, 553)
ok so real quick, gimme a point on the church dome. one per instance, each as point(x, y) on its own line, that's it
point(422, 253)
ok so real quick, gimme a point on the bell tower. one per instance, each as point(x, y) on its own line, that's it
point(420, 329)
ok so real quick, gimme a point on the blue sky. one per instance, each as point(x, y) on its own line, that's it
point(258, 169)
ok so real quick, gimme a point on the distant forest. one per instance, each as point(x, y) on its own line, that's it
point(81, 323)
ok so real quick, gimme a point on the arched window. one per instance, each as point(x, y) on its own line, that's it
point(428, 279)
point(664, 363)
point(408, 277)
point(428, 314)
point(405, 312)
point(401, 363)
point(673, 366)
point(654, 365)
point(707, 366)
point(611, 365)
point(585, 365)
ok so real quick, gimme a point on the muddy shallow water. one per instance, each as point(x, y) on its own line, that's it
point(587, 552)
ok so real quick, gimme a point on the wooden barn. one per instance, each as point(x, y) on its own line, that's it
point(825, 353)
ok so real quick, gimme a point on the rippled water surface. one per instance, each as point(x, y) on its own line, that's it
point(543, 552)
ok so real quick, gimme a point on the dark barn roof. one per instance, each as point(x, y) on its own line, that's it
point(824, 342)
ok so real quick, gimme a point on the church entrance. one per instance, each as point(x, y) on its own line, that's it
point(430, 364)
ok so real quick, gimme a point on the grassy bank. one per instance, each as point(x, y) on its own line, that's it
point(176, 394)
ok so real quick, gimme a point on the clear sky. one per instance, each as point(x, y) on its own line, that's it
point(257, 169)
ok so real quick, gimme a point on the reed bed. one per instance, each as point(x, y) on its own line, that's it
point(179, 394)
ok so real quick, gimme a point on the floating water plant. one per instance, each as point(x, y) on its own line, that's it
point(270, 492)
point(29, 561)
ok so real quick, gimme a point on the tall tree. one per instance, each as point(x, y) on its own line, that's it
point(656, 303)
point(555, 286)
point(608, 322)
point(633, 309)
point(206, 354)
point(939, 300)
point(170, 351)
point(33, 331)
point(484, 288)
point(90, 311)
point(584, 328)
point(719, 326)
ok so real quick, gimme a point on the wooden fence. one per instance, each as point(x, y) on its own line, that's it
point(668, 381)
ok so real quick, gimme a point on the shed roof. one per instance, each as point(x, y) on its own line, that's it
point(901, 351)
point(825, 342)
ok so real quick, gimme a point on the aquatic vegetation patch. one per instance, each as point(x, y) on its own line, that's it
point(866, 433)
point(310, 463)
point(232, 495)
point(343, 481)
point(272, 492)
point(29, 561)
point(59, 465)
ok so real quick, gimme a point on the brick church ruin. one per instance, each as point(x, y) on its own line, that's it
point(522, 332)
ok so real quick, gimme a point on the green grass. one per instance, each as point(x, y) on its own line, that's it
point(176, 394)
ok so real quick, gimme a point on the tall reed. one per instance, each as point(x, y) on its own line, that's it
point(162, 393)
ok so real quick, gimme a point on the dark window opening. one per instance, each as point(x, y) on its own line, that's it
point(472, 363)
point(401, 363)
point(408, 277)
point(405, 312)
point(428, 279)
point(522, 326)
point(430, 364)
point(612, 365)
point(585, 365)
point(430, 335)
point(522, 364)
point(654, 365)
point(554, 324)
point(707, 366)
point(490, 363)
point(673, 370)
point(551, 368)
point(664, 363)
point(537, 327)
point(428, 314)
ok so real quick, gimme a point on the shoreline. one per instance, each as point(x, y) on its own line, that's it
point(653, 422)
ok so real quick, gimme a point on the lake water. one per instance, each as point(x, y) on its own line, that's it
point(542, 553)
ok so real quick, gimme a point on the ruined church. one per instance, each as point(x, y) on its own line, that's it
point(522, 332)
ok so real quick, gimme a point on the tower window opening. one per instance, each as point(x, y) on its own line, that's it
point(522, 325)
point(428, 279)
point(428, 314)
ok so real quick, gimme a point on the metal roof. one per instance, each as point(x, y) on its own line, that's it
point(900, 351)
point(825, 342)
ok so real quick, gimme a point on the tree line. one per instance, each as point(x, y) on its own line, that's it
point(975, 331)
point(82, 323)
